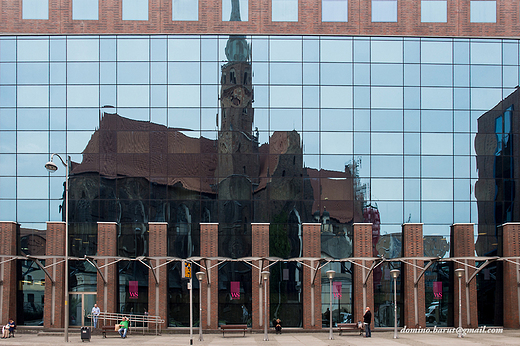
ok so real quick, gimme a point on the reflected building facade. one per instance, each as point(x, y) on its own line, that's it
point(187, 127)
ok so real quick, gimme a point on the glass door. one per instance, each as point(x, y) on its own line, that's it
point(81, 304)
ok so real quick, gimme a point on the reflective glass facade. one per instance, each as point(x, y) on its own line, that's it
point(283, 130)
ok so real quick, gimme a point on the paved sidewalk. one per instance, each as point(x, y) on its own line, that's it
point(507, 338)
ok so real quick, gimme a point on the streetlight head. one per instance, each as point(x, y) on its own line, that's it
point(265, 275)
point(200, 275)
point(51, 166)
point(331, 274)
point(459, 272)
point(394, 273)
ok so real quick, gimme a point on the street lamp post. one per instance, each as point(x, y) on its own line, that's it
point(395, 273)
point(459, 272)
point(52, 167)
point(200, 277)
point(330, 275)
point(265, 277)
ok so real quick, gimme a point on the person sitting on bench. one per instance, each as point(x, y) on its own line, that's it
point(122, 327)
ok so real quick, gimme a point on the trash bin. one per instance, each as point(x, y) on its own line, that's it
point(85, 333)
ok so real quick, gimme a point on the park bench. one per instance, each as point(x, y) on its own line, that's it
point(110, 330)
point(233, 328)
point(349, 327)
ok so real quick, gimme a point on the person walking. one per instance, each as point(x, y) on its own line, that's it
point(95, 314)
point(367, 318)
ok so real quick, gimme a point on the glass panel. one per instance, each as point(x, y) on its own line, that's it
point(483, 11)
point(185, 10)
point(239, 14)
point(31, 281)
point(35, 9)
point(135, 9)
point(85, 9)
point(284, 10)
point(334, 10)
point(384, 10)
point(434, 11)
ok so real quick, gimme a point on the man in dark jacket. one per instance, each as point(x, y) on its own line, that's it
point(367, 318)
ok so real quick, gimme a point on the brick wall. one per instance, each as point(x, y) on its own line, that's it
point(8, 271)
point(107, 246)
point(311, 238)
point(54, 294)
point(158, 292)
point(209, 248)
point(309, 21)
point(511, 248)
point(463, 245)
point(260, 238)
point(362, 247)
point(414, 300)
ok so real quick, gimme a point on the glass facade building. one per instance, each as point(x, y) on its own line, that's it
point(285, 130)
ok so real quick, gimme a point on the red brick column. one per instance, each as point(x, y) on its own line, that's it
point(107, 246)
point(414, 299)
point(511, 276)
point(463, 245)
point(53, 315)
point(209, 248)
point(158, 293)
point(8, 288)
point(363, 295)
point(311, 238)
point(260, 240)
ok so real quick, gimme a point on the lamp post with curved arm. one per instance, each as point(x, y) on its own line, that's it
point(459, 272)
point(395, 273)
point(200, 277)
point(330, 275)
point(265, 277)
point(52, 167)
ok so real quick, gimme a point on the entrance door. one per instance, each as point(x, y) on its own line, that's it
point(81, 304)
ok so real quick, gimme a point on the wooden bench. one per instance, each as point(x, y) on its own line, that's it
point(110, 329)
point(349, 327)
point(233, 328)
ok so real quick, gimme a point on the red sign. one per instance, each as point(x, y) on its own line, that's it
point(437, 290)
point(336, 289)
point(133, 288)
point(235, 289)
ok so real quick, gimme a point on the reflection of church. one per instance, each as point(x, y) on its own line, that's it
point(134, 173)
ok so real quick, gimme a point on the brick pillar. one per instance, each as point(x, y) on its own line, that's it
point(511, 275)
point(260, 239)
point(463, 245)
point(311, 238)
point(54, 293)
point(158, 292)
point(8, 288)
point(414, 299)
point(363, 295)
point(107, 246)
point(209, 248)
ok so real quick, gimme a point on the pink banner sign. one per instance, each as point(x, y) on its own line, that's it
point(437, 290)
point(235, 289)
point(336, 289)
point(133, 288)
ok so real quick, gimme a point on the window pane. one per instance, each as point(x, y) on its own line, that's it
point(384, 10)
point(240, 14)
point(35, 9)
point(85, 9)
point(135, 9)
point(185, 10)
point(434, 11)
point(483, 11)
point(334, 10)
point(284, 11)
